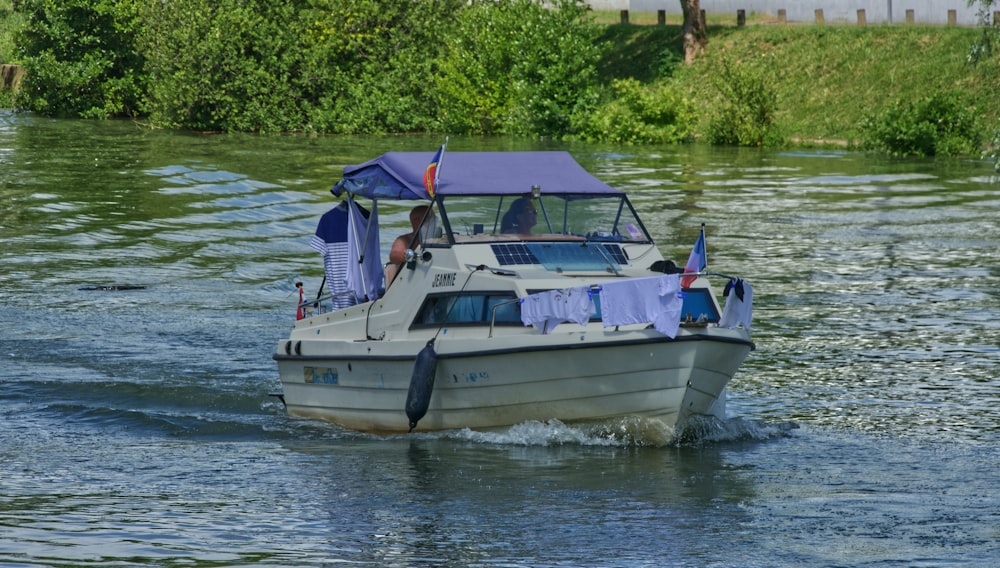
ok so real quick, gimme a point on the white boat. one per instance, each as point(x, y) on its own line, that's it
point(614, 331)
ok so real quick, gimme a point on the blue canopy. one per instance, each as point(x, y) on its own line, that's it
point(400, 175)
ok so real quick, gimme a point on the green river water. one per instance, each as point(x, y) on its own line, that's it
point(136, 427)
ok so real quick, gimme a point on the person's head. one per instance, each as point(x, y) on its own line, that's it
point(417, 215)
point(423, 221)
point(521, 217)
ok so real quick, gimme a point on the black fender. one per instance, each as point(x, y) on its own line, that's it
point(421, 384)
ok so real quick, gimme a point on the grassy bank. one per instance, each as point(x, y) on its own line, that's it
point(826, 77)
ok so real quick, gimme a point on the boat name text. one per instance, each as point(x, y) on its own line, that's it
point(440, 280)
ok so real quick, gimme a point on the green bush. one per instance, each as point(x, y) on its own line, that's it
point(10, 22)
point(942, 124)
point(746, 116)
point(985, 46)
point(80, 58)
point(7, 99)
point(336, 66)
point(221, 65)
point(371, 64)
point(638, 114)
point(517, 67)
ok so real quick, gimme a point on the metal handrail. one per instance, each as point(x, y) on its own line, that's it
point(317, 302)
point(720, 274)
point(493, 314)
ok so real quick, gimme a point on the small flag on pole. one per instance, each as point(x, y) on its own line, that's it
point(697, 261)
point(298, 312)
point(433, 171)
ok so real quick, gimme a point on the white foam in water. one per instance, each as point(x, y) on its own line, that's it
point(628, 431)
point(535, 433)
point(699, 431)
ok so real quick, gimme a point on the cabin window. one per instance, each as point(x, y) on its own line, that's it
point(475, 308)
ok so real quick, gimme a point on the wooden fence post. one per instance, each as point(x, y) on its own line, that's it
point(862, 21)
point(819, 16)
point(741, 17)
point(910, 17)
point(624, 16)
point(782, 16)
point(952, 17)
point(661, 17)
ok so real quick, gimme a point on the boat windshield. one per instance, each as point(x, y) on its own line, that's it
point(486, 218)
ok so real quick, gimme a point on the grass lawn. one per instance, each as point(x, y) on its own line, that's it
point(827, 77)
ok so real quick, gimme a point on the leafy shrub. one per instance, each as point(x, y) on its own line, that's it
point(984, 47)
point(746, 116)
point(340, 66)
point(315, 65)
point(517, 67)
point(637, 114)
point(221, 65)
point(10, 22)
point(939, 124)
point(371, 64)
point(80, 59)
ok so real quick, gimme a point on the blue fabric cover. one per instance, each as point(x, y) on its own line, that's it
point(400, 175)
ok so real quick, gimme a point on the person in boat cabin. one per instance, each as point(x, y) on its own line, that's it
point(520, 218)
point(410, 241)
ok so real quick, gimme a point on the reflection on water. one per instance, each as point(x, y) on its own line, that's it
point(138, 426)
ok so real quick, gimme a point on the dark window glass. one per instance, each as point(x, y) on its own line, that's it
point(469, 308)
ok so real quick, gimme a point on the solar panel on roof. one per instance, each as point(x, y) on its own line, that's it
point(616, 253)
point(558, 255)
point(513, 253)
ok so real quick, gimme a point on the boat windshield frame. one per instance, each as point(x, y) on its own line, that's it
point(581, 217)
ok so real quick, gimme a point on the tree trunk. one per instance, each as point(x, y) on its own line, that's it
point(693, 30)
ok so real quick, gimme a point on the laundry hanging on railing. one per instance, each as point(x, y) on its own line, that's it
point(655, 300)
point(330, 240)
point(739, 304)
point(365, 274)
point(341, 235)
point(546, 310)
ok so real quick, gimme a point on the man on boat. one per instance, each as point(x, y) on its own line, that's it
point(422, 221)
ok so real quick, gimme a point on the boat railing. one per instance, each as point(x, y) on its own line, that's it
point(493, 314)
point(719, 274)
point(318, 305)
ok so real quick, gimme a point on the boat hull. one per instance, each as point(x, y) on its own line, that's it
point(644, 374)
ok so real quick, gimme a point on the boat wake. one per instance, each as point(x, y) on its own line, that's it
point(702, 431)
point(630, 432)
